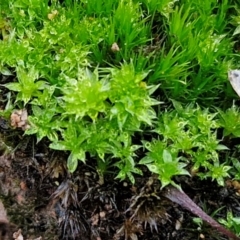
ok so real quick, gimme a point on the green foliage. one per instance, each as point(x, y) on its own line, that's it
point(129, 26)
point(99, 7)
point(43, 122)
point(191, 133)
point(26, 86)
point(126, 152)
point(95, 102)
point(235, 171)
point(85, 96)
point(131, 98)
point(232, 223)
point(217, 172)
point(230, 121)
point(74, 137)
point(198, 32)
point(163, 162)
point(165, 7)
point(171, 70)
point(69, 111)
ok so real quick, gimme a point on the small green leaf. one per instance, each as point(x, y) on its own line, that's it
point(80, 155)
point(6, 71)
point(164, 181)
point(121, 175)
point(58, 146)
point(137, 171)
point(146, 160)
point(222, 147)
point(167, 157)
point(153, 168)
point(131, 178)
point(237, 30)
point(236, 164)
point(152, 89)
point(72, 163)
point(13, 86)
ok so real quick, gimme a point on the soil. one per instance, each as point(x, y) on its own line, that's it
point(43, 200)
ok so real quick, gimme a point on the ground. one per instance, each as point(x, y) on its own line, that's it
point(44, 200)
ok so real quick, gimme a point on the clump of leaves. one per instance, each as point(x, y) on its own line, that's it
point(26, 86)
point(97, 114)
point(187, 137)
point(132, 104)
point(208, 49)
point(230, 121)
point(85, 96)
point(163, 162)
point(232, 223)
point(93, 111)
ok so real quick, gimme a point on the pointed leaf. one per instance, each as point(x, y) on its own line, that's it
point(152, 88)
point(222, 147)
point(13, 87)
point(153, 168)
point(167, 157)
point(72, 163)
point(146, 160)
point(58, 146)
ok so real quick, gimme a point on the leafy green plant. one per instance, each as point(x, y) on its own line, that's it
point(101, 104)
point(165, 7)
point(191, 136)
point(98, 139)
point(199, 222)
point(235, 171)
point(231, 222)
point(164, 163)
point(126, 152)
point(27, 86)
point(74, 137)
point(101, 8)
point(202, 47)
point(217, 171)
point(130, 96)
point(43, 123)
point(85, 96)
point(89, 110)
point(171, 69)
point(230, 121)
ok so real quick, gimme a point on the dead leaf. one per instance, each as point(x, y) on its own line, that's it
point(102, 214)
point(52, 15)
point(19, 119)
point(3, 214)
point(202, 236)
point(115, 47)
point(23, 185)
point(234, 79)
point(178, 225)
point(18, 235)
point(95, 219)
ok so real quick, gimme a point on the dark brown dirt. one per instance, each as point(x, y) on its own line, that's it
point(43, 199)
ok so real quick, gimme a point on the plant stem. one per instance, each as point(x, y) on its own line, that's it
point(179, 197)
